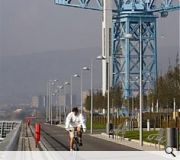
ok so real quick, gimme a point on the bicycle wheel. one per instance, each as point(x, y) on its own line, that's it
point(76, 144)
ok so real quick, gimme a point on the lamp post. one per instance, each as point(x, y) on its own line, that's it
point(47, 102)
point(91, 110)
point(60, 109)
point(91, 128)
point(52, 84)
point(50, 101)
point(75, 76)
point(140, 87)
point(51, 90)
point(56, 92)
point(127, 37)
point(65, 84)
point(52, 95)
point(91, 67)
point(83, 69)
point(108, 97)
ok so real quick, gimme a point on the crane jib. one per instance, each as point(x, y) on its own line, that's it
point(122, 5)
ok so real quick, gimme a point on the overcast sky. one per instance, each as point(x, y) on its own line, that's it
point(32, 27)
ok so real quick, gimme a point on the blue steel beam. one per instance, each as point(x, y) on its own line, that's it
point(85, 4)
point(168, 9)
point(122, 5)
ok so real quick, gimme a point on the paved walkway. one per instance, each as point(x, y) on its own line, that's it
point(57, 138)
point(133, 143)
point(26, 140)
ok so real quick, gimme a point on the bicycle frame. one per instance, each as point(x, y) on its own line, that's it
point(76, 140)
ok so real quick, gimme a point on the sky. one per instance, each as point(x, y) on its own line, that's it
point(41, 41)
point(39, 25)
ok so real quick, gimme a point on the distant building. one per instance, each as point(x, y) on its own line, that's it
point(42, 101)
point(39, 101)
point(35, 102)
point(68, 100)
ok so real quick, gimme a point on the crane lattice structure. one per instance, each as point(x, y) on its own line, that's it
point(129, 33)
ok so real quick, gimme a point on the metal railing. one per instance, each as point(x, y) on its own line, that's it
point(10, 131)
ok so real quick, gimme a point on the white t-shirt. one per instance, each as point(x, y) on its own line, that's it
point(73, 120)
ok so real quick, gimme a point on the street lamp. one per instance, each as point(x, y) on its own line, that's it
point(60, 110)
point(52, 95)
point(140, 86)
point(65, 84)
point(91, 128)
point(100, 57)
point(50, 99)
point(52, 84)
point(108, 88)
point(97, 58)
point(47, 101)
point(83, 69)
point(75, 76)
point(91, 110)
point(128, 36)
point(56, 92)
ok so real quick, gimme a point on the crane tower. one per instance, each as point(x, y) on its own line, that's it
point(128, 38)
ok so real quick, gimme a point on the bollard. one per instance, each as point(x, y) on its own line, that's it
point(177, 139)
point(37, 133)
point(109, 128)
point(177, 132)
point(171, 137)
point(148, 125)
point(28, 122)
point(126, 123)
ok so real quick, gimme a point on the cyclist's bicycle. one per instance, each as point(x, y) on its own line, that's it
point(76, 143)
point(76, 139)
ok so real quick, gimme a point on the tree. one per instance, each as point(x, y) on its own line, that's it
point(168, 87)
point(100, 101)
point(116, 96)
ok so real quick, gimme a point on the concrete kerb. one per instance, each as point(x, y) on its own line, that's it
point(60, 125)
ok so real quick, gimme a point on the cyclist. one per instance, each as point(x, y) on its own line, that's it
point(75, 120)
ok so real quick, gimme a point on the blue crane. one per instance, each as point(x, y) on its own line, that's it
point(129, 37)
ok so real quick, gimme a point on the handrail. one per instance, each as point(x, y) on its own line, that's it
point(10, 142)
